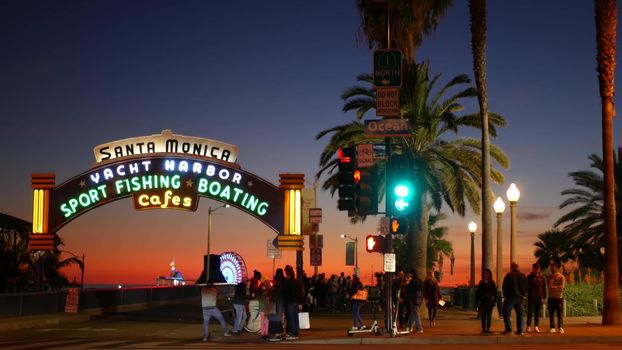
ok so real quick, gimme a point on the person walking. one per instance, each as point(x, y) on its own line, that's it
point(514, 291)
point(432, 294)
point(536, 292)
point(415, 298)
point(486, 296)
point(292, 296)
point(240, 298)
point(555, 303)
point(275, 325)
point(209, 296)
point(356, 286)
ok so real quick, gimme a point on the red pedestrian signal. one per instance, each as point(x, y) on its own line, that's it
point(374, 244)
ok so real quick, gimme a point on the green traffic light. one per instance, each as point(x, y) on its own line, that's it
point(401, 190)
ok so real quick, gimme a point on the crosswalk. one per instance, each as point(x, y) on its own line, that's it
point(19, 343)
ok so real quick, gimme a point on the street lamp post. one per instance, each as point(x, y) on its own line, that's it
point(356, 251)
point(81, 266)
point(499, 207)
point(513, 195)
point(472, 228)
point(210, 210)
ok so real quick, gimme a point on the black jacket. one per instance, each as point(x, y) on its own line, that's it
point(486, 293)
point(515, 285)
point(292, 291)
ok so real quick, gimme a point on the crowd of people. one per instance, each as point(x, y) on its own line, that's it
point(535, 288)
point(279, 301)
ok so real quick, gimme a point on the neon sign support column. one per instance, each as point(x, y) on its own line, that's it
point(40, 239)
point(291, 238)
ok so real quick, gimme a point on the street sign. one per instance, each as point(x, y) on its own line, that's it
point(388, 102)
point(315, 215)
point(388, 68)
point(308, 202)
point(273, 252)
point(350, 253)
point(387, 128)
point(389, 262)
point(72, 300)
point(365, 155)
point(316, 256)
point(316, 241)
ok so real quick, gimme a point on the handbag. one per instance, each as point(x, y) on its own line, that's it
point(303, 320)
point(360, 294)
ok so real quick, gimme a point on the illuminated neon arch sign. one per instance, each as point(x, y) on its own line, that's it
point(165, 171)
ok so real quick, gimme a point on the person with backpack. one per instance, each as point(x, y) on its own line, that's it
point(415, 298)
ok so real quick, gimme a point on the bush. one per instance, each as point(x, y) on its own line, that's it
point(580, 299)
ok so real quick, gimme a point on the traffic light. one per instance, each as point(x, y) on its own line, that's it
point(346, 167)
point(365, 191)
point(401, 188)
point(399, 225)
point(374, 243)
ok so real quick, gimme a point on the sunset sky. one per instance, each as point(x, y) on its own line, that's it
point(267, 76)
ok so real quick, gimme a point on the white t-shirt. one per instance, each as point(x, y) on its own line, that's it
point(208, 296)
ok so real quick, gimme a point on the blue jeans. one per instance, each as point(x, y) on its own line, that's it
point(291, 313)
point(556, 306)
point(515, 303)
point(240, 317)
point(356, 313)
point(414, 317)
point(209, 312)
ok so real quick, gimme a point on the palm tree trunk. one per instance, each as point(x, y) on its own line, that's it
point(606, 23)
point(477, 11)
point(418, 236)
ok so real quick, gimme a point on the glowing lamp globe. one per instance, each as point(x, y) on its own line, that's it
point(499, 206)
point(472, 227)
point(513, 193)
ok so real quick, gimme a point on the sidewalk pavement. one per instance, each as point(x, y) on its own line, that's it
point(453, 326)
point(457, 326)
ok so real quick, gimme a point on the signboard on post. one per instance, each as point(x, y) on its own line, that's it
point(387, 128)
point(389, 262)
point(350, 248)
point(388, 102)
point(365, 155)
point(273, 252)
point(72, 300)
point(316, 256)
point(316, 241)
point(308, 202)
point(388, 68)
point(315, 215)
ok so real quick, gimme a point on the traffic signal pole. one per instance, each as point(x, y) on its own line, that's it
point(388, 242)
point(388, 276)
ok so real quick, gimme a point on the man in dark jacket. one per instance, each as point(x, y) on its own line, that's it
point(292, 295)
point(415, 298)
point(536, 293)
point(514, 291)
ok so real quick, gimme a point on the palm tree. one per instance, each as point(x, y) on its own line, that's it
point(410, 21)
point(553, 246)
point(448, 169)
point(477, 11)
point(606, 23)
point(14, 257)
point(585, 223)
point(437, 244)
